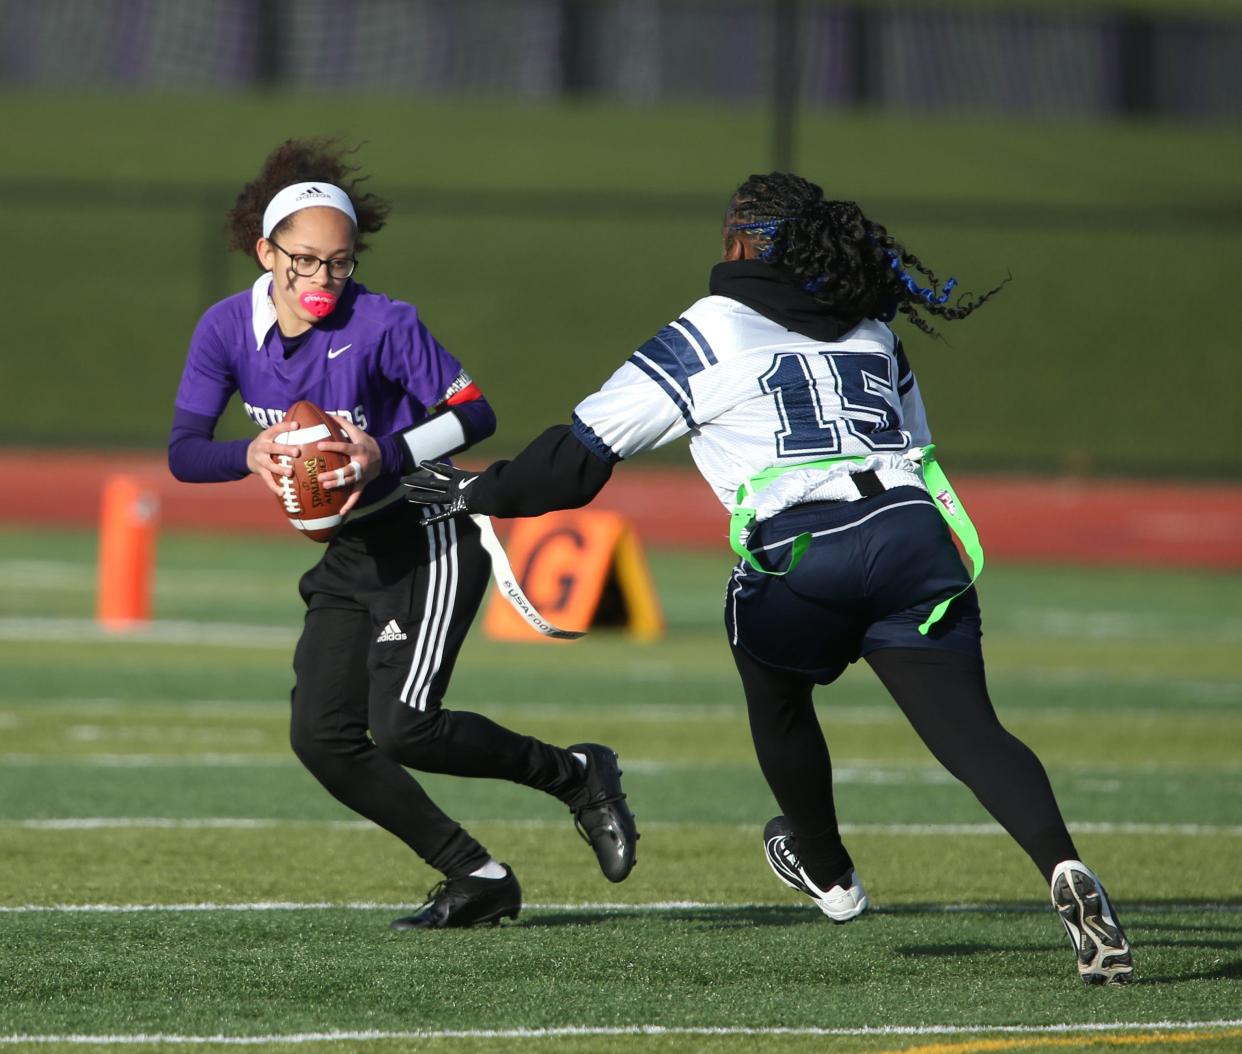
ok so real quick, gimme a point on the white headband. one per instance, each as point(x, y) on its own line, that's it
point(305, 196)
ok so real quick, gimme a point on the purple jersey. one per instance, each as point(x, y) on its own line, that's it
point(372, 361)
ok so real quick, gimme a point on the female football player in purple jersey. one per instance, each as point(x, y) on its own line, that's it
point(805, 417)
point(390, 600)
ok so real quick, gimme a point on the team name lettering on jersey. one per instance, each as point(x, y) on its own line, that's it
point(265, 417)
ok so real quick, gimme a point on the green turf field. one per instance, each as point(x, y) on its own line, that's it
point(542, 245)
point(170, 871)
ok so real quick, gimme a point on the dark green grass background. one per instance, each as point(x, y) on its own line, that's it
point(1127, 683)
point(1110, 351)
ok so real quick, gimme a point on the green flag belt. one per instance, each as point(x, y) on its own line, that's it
point(742, 519)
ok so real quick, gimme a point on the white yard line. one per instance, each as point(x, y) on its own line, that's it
point(1055, 623)
point(653, 711)
point(283, 905)
point(844, 770)
point(645, 907)
point(104, 823)
point(861, 773)
point(225, 823)
point(165, 631)
point(48, 574)
point(154, 761)
point(587, 1031)
point(1113, 625)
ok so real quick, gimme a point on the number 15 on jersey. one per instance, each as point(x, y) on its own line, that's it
point(834, 403)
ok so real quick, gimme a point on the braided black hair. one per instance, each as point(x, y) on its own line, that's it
point(302, 161)
point(847, 262)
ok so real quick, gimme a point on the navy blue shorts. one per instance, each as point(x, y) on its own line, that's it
point(872, 574)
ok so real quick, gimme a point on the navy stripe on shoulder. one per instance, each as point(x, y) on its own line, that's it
point(640, 360)
point(672, 351)
point(698, 338)
point(585, 435)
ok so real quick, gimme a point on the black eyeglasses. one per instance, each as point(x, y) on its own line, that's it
point(306, 266)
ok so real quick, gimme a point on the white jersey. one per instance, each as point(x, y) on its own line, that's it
point(752, 395)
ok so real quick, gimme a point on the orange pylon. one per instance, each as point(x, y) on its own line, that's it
point(127, 533)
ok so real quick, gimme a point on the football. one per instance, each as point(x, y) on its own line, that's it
point(311, 509)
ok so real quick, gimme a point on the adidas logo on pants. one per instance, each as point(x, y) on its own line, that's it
point(391, 632)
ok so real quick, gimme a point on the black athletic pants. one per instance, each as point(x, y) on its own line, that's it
point(388, 607)
point(944, 696)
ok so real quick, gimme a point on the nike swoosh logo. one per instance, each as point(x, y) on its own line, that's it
point(463, 484)
point(334, 352)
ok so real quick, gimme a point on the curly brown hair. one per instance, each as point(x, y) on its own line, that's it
point(846, 261)
point(302, 161)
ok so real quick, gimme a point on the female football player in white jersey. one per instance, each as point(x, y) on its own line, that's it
point(391, 597)
point(805, 418)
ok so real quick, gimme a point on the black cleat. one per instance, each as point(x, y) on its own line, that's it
point(603, 819)
point(1100, 946)
point(466, 901)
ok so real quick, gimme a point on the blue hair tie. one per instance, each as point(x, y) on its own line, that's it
point(815, 284)
point(769, 228)
point(929, 295)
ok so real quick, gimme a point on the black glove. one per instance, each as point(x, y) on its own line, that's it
point(436, 483)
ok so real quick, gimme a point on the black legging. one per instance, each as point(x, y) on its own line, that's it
point(944, 696)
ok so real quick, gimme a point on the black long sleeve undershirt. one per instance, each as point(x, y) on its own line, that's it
point(554, 472)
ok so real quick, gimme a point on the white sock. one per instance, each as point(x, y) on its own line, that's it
point(582, 759)
point(491, 869)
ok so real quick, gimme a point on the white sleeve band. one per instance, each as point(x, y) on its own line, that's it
point(434, 438)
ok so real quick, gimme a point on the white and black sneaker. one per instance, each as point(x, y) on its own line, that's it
point(1100, 945)
point(844, 900)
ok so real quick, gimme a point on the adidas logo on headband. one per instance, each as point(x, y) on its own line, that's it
point(304, 195)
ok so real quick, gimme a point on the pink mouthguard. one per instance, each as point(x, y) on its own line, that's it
point(320, 303)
